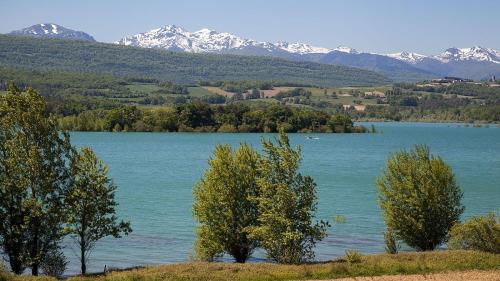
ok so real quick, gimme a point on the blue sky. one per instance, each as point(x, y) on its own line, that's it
point(382, 26)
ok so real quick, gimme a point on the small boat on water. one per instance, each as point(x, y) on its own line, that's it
point(312, 138)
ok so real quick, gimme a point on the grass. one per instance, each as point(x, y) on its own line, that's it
point(371, 265)
point(143, 87)
point(198, 92)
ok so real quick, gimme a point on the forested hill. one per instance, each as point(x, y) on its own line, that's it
point(79, 56)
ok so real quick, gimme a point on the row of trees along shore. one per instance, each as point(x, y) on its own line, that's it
point(202, 117)
point(245, 199)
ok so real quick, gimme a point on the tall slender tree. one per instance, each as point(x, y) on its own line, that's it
point(90, 205)
point(224, 206)
point(34, 176)
point(287, 205)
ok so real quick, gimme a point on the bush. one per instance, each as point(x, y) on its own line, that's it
point(353, 256)
point(419, 197)
point(227, 128)
point(391, 244)
point(54, 263)
point(477, 233)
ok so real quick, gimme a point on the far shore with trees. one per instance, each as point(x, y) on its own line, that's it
point(244, 201)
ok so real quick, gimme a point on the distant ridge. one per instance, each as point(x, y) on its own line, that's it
point(181, 67)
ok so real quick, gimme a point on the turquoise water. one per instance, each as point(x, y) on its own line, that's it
point(155, 173)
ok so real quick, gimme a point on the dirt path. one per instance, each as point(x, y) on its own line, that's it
point(449, 276)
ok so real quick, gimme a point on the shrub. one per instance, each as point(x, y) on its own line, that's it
point(477, 233)
point(353, 256)
point(419, 197)
point(227, 128)
point(54, 263)
point(391, 244)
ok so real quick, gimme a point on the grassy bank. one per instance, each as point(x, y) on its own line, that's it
point(372, 265)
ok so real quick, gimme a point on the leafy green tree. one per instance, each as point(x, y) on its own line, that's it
point(224, 206)
point(477, 233)
point(287, 205)
point(340, 123)
point(90, 205)
point(419, 197)
point(34, 175)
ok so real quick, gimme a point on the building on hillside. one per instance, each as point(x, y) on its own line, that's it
point(450, 79)
point(374, 94)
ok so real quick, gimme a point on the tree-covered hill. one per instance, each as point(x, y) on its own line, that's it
point(78, 56)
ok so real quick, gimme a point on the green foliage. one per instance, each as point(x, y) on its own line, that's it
point(391, 244)
point(287, 205)
point(419, 197)
point(34, 175)
point(223, 204)
point(54, 263)
point(241, 86)
point(199, 116)
point(341, 124)
point(90, 204)
point(180, 67)
point(477, 233)
point(124, 117)
point(353, 256)
point(293, 93)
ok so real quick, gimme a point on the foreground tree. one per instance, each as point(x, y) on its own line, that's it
point(34, 176)
point(287, 205)
point(223, 204)
point(90, 204)
point(419, 197)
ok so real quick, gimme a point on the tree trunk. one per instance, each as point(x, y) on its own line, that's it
point(34, 254)
point(34, 269)
point(15, 264)
point(82, 259)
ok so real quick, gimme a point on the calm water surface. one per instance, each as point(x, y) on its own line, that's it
point(155, 174)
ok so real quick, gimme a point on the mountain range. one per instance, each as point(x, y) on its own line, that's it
point(474, 63)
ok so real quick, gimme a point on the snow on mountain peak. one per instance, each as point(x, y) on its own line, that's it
point(476, 53)
point(52, 30)
point(301, 48)
point(345, 49)
point(176, 38)
point(407, 57)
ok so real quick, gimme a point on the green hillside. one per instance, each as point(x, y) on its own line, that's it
point(79, 56)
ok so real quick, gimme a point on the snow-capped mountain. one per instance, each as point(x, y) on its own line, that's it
point(51, 30)
point(345, 49)
point(475, 62)
point(300, 48)
point(176, 38)
point(407, 57)
point(475, 53)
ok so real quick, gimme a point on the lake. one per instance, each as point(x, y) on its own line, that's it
point(155, 174)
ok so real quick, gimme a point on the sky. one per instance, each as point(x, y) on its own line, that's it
point(380, 26)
